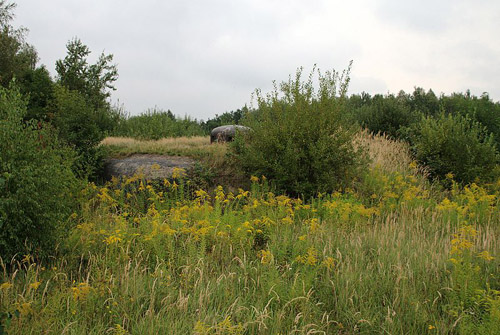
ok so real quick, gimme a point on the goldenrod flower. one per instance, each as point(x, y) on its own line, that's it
point(485, 255)
point(35, 285)
point(265, 256)
point(5, 286)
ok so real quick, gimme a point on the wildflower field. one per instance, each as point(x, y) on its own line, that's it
point(392, 255)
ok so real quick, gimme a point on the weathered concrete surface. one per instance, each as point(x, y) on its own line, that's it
point(226, 133)
point(152, 166)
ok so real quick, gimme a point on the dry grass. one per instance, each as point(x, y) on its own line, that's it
point(385, 153)
point(212, 156)
point(197, 147)
point(176, 142)
point(179, 146)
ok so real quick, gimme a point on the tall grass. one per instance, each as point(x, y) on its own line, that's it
point(196, 146)
point(159, 257)
point(155, 124)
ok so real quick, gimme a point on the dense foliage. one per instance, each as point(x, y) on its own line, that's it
point(389, 114)
point(144, 258)
point(155, 124)
point(37, 187)
point(455, 145)
point(17, 57)
point(81, 111)
point(393, 115)
point(299, 140)
point(319, 243)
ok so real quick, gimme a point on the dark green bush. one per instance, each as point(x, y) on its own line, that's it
point(455, 144)
point(298, 138)
point(482, 109)
point(387, 115)
point(82, 127)
point(37, 185)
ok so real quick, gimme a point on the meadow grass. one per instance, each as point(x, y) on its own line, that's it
point(196, 146)
point(389, 256)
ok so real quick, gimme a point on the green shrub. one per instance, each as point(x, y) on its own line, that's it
point(82, 127)
point(387, 115)
point(37, 186)
point(298, 139)
point(455, 144)
point(482, 109)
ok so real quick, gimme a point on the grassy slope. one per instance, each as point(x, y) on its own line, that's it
point(196, 147)
point(375, 260)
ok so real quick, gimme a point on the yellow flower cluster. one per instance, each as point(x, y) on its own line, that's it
point(81, 291)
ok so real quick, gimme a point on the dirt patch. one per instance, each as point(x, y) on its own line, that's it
point(152, 166)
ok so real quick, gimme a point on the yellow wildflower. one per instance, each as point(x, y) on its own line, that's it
point(485, 255)
point(112, 239)
point(178, 173)
point(81, 291)
point(27, 259)
point(175, 186)
point(329, 263)
point(35, 285)
point(265, 256)
point(5, 286)
point(24, 308)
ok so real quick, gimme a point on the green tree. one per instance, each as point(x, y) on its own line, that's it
point(16, 55)
point(82, 112)
point(38, 86)
point(18, 61)
point(386, 114)
point(481, 109)
point(299, 139)
point(94, 81)
point(455, 144)
point(37, 186)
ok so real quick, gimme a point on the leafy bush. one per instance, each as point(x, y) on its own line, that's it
point(386, 115)
point(298, 138)
point(37, 186)
point(83, 128)
point(455, 144)
point(482, 109)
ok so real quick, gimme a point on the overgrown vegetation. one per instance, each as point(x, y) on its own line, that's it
point(319, 240)
point(156, 124)
point(146, 257)
point(298, 139)
point(455, 145)
point(38, 190)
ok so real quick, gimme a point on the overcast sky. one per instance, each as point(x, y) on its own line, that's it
point(201, 58)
